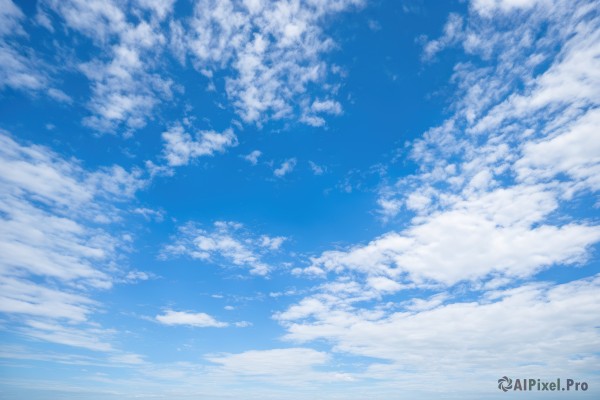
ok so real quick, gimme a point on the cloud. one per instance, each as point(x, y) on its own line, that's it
point(252, 158)
point(316, 169)
point(500, 232)
point(319, 107)
point(125, 90)
point(228, 244)
point(519, 155)
point(273, 50)
point(491, 204)
point(485, 334)
point(198, 320)
point(272, 243)
point(86, 338)
point(20, 69)
point(452, 34)
point(575, 152)
point(55, 243)
point(271, 56)
point(150, 214)
point(286, 167)
point(295, 366)
point(487, 8)
point(180, 148)
point(11, 17)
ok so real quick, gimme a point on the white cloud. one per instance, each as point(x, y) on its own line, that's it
point(21, 296)
point(488, 7)
point(501, 232)
point(161, 8)
point(87, 338)
point(137, 276)
point(389, 207)
point(574, 152)
point(287, 366)
point(316, 169)
point(11, 17)
point(274, 50)
point(228, 244)
point(519, 154)
point(198, 320)
point(493, 199)
point(125, 90)
point(272, 243)
point(252, 158)
point(19, 68)
point(452, 34)
point(54, 241)
point(485, 334)
point(286, 167)
point(60, 96)
point(149, 214)
point(180, 148)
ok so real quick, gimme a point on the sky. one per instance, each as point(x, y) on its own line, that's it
point(292, 199)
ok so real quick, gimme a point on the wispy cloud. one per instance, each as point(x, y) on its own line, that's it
point(54, 241)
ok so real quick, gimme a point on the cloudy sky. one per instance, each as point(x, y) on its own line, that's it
point(332, 199)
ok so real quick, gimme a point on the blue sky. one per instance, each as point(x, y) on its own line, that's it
point(290, 199)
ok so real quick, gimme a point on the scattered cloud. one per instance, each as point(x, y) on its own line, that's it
point(459, 336)
point(198, 320)
point(149, 214)
point(295, 366)
point(315, 168)
point(229, 244)
point(285, 168)
point(453, 33)
point(514, 171)
point(125, 88)
point(491, 205)
point(19, 68)
point(55, 243)
point(180, 148)
point(274, 50)
point(312, 115)
point(253, 156)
